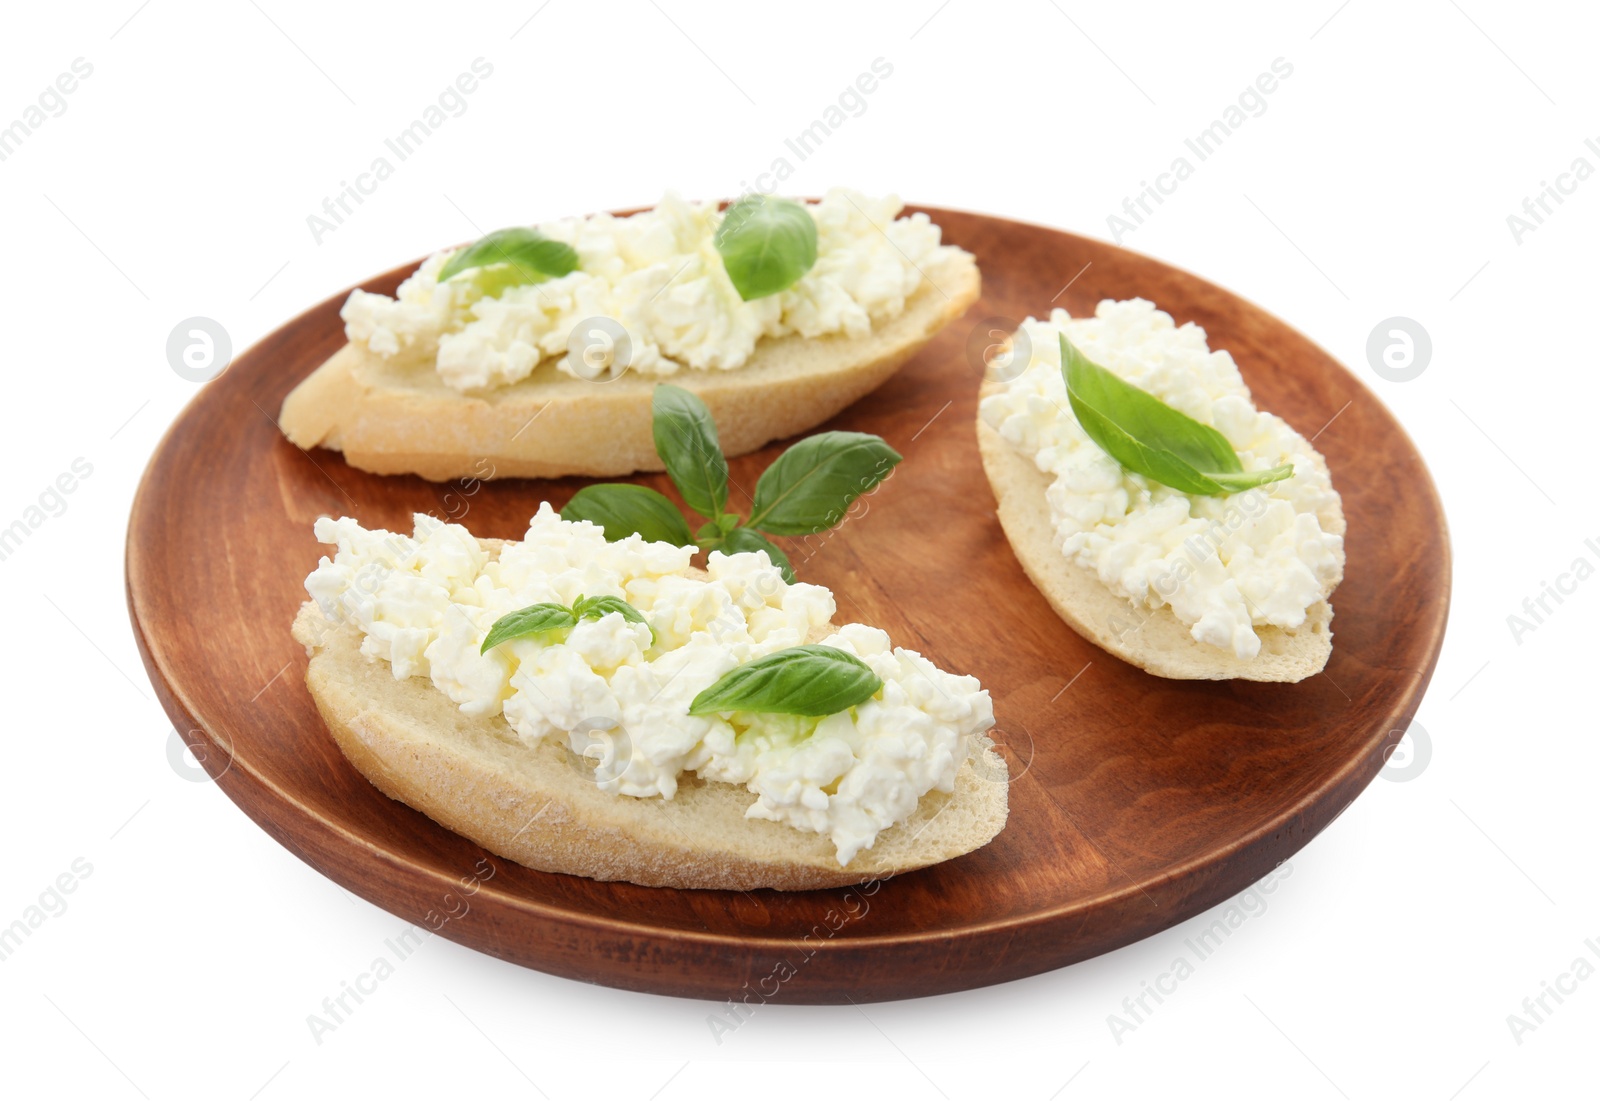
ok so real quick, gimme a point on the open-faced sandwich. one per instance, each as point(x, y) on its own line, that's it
point(1163, 516)
point(607, 710)
point(532, 353)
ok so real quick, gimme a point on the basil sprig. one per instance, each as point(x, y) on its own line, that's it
point(802, 680)
point(808, 489)
point(541, 619)
point(766, 244)
point(1151, 438)
point(512, 258)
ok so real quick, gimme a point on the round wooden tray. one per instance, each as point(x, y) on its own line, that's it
point(1135, 802)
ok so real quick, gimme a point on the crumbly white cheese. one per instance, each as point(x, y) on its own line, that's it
point(1225, 565)
point(426, 602)
point(660, 276)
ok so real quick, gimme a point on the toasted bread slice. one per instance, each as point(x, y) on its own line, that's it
point(540, 807)
point(397, 416)
point(1153, 639)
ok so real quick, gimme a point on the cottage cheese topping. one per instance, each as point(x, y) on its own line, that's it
point(1225, 565)
point(426, 602)
point(658, 274)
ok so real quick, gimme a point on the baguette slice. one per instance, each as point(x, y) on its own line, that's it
point(397, 416)
point(541, 807)
point(1153, 639)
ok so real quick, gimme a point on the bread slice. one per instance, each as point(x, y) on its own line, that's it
point(1153, 639)
point(397, 416)
point(540, 807)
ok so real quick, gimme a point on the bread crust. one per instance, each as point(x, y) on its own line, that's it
point(397, 416)
point(541, 807)
point(1153, 639)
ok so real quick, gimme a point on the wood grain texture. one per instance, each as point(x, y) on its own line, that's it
point(1136, 802)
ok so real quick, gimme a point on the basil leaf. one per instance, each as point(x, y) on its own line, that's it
point(709, 537)
point(1234, 483)
point(1142, 415)
point(536, 619)
point(686, 441)
point(743, 539)
point(1149, 437)
point(624, 510)
point(492, 281)
point(767, 244)
point(593, 607)
point(809, 487)
point(803, 680)
point(532, 257)
point(1157, 465)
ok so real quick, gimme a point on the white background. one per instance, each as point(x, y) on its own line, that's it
point(1377, 183)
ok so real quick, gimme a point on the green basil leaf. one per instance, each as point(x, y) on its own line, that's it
point(1143, 416)
point(1157, 465)
point(709, 537)
point(492, 281)
point(1233, 483)
point(593, 607)
point(530, 256)
point(803, 680)
point(767, 244)
point(809, 487)
point(686, 441)
point(624, 510)
point(1149, 437)
point(536, 619)
point(743, 539)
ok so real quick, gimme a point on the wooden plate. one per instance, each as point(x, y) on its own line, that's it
point(1136, 802)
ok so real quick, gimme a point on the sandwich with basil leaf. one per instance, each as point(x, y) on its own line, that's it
point(533, 352)
point(1162, 515)
point(605, 708)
